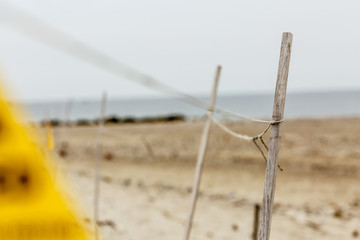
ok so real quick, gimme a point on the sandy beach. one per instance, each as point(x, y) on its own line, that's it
point(147, 173)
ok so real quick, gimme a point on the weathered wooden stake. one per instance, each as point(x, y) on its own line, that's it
point(272, 161)
point(66, 122)
point(148, 149)
point(201, 155)
point(256, 221)
point(98, 165)
point(67, 112)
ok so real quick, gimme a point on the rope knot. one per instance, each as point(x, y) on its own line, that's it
point(276, 122)
point(210, 109)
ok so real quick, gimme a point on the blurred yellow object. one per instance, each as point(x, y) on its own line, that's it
point(32, 204)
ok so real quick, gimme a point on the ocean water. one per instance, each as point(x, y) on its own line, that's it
point(298, 105)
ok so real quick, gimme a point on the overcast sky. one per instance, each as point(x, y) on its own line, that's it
point(180, 43)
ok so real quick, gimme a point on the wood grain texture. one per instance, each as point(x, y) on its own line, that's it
point(278, 113)
point(201, 155)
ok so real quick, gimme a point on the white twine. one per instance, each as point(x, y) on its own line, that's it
point(47, 34)
point(232, 133)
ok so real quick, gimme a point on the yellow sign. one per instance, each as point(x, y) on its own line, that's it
point(31, 204)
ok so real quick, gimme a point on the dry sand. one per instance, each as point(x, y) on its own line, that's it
point(147, 173)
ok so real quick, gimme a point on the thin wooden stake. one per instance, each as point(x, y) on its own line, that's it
point(67, 112)
point(98, 165)
point(256, 221)
point(201, 155)
point(148, 149)
point(278, 113)
point(66, 122)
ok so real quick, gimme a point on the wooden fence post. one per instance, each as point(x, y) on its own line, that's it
point(272, 161)
point(66, 123)
point(256, 221)
point(98, 165)
point(201, 155)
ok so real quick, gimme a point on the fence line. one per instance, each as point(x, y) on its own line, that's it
point(65, 43)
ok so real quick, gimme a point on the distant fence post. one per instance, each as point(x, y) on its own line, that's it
point(272, 161)
point(98, 165)
point(201, 155)
point(66, 123)
point(256, 221)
